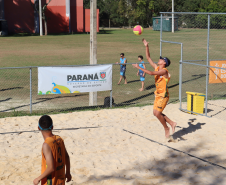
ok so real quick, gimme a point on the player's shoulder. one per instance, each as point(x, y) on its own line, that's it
point(45, 146)
point(156, 67)
point(166, 69)
point(58, 138)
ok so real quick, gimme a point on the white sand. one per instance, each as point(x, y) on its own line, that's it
point(119, 146)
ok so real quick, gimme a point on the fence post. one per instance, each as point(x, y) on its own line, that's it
point(172, 16)
point(30, 90)
point(207, 63)
point(111, 98)
point(180, 76)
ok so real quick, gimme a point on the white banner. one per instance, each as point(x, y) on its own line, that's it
point(60, 80)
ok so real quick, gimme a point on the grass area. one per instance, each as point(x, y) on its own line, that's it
point(68, 49)
point(74, 49)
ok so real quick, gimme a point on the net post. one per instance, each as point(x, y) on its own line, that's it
point(180, 76)
point(161, 36)
point(207, 64)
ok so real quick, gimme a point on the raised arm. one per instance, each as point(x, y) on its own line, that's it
point(148, 54)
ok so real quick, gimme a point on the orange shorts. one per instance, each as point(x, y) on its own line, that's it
point(160, 103)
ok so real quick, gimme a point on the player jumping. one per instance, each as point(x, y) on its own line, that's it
point(162, 78)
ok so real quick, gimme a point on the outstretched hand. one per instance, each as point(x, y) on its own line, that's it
point(145, 42)
point(135, 65)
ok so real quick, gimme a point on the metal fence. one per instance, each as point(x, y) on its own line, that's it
point(201, 39)
point(19, 92)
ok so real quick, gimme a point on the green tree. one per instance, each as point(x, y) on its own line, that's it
point(122, 11)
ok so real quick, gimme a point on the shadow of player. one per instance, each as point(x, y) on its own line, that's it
point(184, 131)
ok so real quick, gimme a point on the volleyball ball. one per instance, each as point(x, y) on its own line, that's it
point(138, 30)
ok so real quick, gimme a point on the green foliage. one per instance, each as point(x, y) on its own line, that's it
point(132, 12)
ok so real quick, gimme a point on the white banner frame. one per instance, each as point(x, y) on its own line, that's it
point(79, 79)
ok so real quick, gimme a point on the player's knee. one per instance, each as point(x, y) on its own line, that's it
point(157, 114)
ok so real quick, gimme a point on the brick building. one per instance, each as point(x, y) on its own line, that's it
point(63, 16)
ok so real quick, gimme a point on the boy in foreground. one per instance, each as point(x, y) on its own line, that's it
point(162, 78)
point(54, 156)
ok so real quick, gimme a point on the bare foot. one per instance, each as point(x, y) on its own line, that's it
point(125, 83)
point(141, 89)
point(145, 42)
point(167, 132)
point(173, 126)
point(170, 139)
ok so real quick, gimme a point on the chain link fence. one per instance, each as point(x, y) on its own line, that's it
point(17, 97)
point(201, 36)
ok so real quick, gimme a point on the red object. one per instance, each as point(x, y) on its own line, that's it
point(56, 13)
point(87, 20)
point(20, 16)
point(79, 16)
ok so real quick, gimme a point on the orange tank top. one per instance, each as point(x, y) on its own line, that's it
point(56, 144)
point(161, 84)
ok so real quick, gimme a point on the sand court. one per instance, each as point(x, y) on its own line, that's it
point(119, 147)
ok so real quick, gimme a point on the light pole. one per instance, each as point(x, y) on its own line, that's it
point(40, 17)
point(68, 13)
point(172, 16)
point(93, 45)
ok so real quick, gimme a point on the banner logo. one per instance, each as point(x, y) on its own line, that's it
point(103, 75)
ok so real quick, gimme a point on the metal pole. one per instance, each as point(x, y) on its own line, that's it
point(180, 76)
point(161, 36)
point(93, 44)
point(68, 13)
point(30, 90)
point(172, 16)
point(40, 17)
point(207, 63)
point(36, 17)
point(111, 98)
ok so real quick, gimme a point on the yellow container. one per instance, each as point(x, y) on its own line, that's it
point(195, 102)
